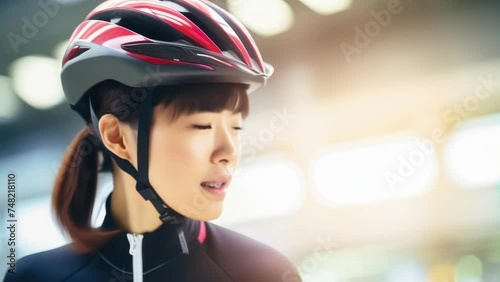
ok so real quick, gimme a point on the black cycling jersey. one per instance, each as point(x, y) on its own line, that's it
point(215, 254)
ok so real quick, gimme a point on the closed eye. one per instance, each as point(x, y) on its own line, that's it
point(203, 127)
point(206, 127)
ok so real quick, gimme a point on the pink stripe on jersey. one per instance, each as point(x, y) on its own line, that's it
point(203, 232)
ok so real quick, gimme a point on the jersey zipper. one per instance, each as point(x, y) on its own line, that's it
point(135, 241)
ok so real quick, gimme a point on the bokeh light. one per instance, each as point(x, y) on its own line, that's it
point(469, 269)
point(395, 167)
point(10, 106)
point(472, 156)
point(36, 81)
point(270, 186)
point(264, 17)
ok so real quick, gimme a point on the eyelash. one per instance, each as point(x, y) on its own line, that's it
point(203, 127)
point(206, 127)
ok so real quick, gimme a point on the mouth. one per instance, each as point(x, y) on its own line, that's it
point(216, 187)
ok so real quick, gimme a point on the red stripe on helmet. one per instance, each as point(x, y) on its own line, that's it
point(93, 30)
point(185, 26)
point(167, 15)
point(208, 11)
point(113, 36)
point(80, 29)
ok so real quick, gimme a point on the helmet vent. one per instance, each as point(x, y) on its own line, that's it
point(214, 32)
point(243, 37)
point(75, 52)
point(143, 24)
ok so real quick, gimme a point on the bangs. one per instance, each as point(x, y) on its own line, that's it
point(210, 97)
point(122, 101)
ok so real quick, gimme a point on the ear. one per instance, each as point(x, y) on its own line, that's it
point(118, 137)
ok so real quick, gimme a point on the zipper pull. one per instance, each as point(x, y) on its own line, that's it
point(135, 251)
point(132, 239)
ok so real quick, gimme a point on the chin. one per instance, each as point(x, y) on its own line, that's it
point(206, 213)
point(209, 217)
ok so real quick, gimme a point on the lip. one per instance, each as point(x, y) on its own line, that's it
point(222, 179)
point(217, 193)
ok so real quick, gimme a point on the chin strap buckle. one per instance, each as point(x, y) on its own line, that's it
point(167, 215)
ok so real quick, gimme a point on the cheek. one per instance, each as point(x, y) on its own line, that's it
point(172, 153)
point(178, 157)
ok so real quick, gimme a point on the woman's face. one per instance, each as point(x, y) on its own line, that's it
point(190, 154)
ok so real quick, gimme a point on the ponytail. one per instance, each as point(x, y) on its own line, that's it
point(74, 193)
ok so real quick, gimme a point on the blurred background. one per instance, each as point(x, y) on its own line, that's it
point(372, 155)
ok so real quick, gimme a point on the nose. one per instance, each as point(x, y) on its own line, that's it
point(226, 146)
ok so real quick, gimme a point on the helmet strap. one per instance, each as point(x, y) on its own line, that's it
point(143, 187)
point(167, 215)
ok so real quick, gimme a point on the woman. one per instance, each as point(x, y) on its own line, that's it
point(162, 86)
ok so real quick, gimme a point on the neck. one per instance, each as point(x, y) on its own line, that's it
point(131, 212)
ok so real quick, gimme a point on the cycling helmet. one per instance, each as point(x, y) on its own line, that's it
point(147, 43)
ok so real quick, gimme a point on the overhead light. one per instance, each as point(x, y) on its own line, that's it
point(472, 154)
point(36, 81)
point(264, 17)
point(395, 167)
point(327, 7)
point(10, 105)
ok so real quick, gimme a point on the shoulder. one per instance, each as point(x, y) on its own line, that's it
point(52, 265)
point(246, 259)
